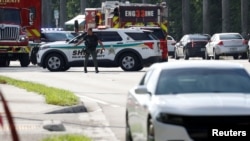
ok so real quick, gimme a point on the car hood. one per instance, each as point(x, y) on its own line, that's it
point(56, 44)
point(203, 104)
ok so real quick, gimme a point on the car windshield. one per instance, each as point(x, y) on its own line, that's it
point(230, 36)
point(59, 36)
point(203, 80)
point(159, 34)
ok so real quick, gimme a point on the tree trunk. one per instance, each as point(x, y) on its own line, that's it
point(206, 19)
point(63, 13)
point(46, 13)
point(225, 16)
point(244, 18)
point(185, 16)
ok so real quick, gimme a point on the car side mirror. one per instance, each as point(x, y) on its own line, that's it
point(141, 90)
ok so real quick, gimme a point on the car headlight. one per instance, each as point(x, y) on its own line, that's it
point(23, 38)
point(43, 47)
point(170, 119)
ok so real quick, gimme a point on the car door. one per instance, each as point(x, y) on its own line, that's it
point(112, 42)
point(137, 110)
point(211, 44)
point(75, 52)
point(181, 46)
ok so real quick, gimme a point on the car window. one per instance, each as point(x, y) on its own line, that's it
point(203, 81)
point(230, 36)
point(198, 37)
point(146, 77)
point(140, 36)
point(107, 36)
point(159, 33)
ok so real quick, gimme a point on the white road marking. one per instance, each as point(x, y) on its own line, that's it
point(98, 101)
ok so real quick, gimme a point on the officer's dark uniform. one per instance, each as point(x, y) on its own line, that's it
point(91, 42)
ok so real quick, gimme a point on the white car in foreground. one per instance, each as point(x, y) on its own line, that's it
point(189, 101)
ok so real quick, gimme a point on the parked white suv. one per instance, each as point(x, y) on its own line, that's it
point(131, 49)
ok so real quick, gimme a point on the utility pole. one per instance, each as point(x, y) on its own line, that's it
point(244, 18)
point(185, 16)
point(225, 16)
point(83, 4)
point(46, 13)
point(62, 15)
point(206, 19)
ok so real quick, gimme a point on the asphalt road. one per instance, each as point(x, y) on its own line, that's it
point(108, 88)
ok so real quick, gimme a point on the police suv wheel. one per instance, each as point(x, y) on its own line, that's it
point(129, 62)
point(54, 62)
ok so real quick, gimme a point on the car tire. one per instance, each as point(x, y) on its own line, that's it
point(4, 62)
point(176, 55)
point(150, 133)
point(244, 55)
point(206, 55)
point(65, 68)
point(186, 56)
point(128, 136)
point(24, 60)
point(236, 56)
point(216, 57)
point(129, 62)
point(248, 56)
point(54, 62)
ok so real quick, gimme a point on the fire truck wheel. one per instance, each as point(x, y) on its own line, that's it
point(129, 62)
point(24, 60)
point(4, 63)
point(54, 62)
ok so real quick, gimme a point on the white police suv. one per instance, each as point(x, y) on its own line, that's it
point(131, 49)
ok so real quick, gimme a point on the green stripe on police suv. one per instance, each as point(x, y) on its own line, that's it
point(106, 46)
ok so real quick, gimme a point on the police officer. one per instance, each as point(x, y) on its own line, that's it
point(91, 42)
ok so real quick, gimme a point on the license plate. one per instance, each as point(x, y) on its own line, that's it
point(233, 49)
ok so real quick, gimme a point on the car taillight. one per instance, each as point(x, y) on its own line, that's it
point(149, 44)
point(220, 43)
point(245, 42)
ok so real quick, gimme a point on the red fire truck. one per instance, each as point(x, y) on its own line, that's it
point(122, 15)
point(20, 21)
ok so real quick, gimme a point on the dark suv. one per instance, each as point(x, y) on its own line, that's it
point(191, 45)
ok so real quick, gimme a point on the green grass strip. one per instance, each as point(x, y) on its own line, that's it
point(52, 95)
point(68, 137)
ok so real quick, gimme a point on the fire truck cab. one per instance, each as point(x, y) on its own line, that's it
point(19, 23)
